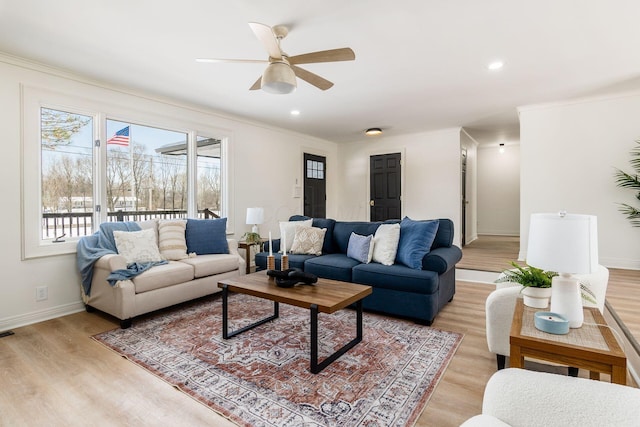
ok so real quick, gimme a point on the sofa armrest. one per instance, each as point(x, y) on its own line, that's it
point(520, 397)
point(442, 260)
point(111, 262)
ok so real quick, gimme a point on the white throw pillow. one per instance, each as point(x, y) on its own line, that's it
point(288, 229)
point(385, 243)
point(137, 246)
point(308, 240)
point(172, 242)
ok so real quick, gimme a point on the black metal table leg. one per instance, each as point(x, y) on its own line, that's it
point(225, 314)
point(316, 367)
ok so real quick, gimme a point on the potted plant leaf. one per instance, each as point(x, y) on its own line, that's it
point(536, 283)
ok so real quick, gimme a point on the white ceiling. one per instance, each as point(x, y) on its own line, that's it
point(420, 64)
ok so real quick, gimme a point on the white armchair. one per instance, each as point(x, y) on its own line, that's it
point(501, 303)
point(517, 397)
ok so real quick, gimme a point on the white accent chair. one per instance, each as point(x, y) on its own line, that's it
point(521, 398)
point(501, 303)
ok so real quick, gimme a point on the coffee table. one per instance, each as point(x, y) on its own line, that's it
point(589, 347)
point(325, 296)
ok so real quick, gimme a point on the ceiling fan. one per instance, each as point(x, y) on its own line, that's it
point(280, 75)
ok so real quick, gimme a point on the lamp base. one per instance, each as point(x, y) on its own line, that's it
point(566, 299)
point(254, 229)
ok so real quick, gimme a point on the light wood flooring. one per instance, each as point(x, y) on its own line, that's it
point(52, 373)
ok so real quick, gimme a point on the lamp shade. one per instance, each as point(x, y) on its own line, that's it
point(564, 243)
point(278, 78)
point(255, 215)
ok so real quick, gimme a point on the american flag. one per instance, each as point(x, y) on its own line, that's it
point(120, 138)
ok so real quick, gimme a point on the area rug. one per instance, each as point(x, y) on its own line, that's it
point(262, 377)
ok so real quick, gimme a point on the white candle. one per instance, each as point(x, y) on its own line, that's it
point(270, 245)
point(284, 242)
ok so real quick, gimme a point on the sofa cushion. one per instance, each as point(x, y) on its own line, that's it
point(360, 247)
point(396, 277)
point(164, 275)
point(288, 232)
point(137, 246)
point(207, 265)
point(385, 243)
point(331, 266)
point(172, 240)
point(416, 238)
point(342, 232)
point(328, 223)
point(308, 240)
point(207, 236)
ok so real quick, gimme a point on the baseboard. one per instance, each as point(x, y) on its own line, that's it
point(476, 276)
point(40, 316)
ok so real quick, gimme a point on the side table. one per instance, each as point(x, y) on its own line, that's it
point(247, 247)
point(589, 347)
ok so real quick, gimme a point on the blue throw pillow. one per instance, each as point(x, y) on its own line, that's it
point(207, 236)
point(416, 238)
point(360, 247)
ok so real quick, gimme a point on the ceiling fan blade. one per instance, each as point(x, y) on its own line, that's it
point(312, 78)
point(264, 33)
point(332, 55)
point(216, 60)
point(257, 85)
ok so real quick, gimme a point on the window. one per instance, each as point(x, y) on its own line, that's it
point(82, 167)
point(315, 169)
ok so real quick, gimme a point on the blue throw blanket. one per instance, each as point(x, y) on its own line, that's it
point(91, 248)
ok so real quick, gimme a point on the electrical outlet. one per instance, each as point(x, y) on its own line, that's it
point(42, 293)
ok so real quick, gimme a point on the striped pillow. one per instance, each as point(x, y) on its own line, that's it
point(172, 241)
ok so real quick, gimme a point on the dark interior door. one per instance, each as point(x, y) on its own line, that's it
point(464, 197)
point(385, 187)
point(315, 186)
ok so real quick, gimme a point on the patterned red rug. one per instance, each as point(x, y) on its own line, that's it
point(262, 378)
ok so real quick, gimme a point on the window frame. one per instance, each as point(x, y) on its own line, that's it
point(34, 98)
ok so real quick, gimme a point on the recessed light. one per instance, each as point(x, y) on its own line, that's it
point(373, 131)
point(295, 112)
point(496, 65)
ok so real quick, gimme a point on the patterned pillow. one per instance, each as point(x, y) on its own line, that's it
point(137, 246)
point(288, 230)
point(172, 240)
point(308, 240)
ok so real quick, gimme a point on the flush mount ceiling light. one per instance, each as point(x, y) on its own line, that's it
point(501, 149)
point(278, 78)
point(373, 131)
point(495, 65)
point(295, 112)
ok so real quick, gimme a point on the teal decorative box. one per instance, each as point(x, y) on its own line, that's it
point(552, 323)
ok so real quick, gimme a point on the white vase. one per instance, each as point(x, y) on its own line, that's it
point(536, 297)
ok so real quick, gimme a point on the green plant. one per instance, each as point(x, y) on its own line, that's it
point(251, 237)
point(527, 276)
point(626, 180)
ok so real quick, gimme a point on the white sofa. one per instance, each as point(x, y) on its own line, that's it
point(162, 285)
point(521, 398)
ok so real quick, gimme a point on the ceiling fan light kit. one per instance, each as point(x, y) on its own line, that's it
point(373, 132)
point(278, 78)
point(280, 75)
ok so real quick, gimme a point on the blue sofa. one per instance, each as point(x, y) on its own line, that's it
point(397, 290)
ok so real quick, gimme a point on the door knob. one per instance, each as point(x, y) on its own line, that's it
point(372, 203)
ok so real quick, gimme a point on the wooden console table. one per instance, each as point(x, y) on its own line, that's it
point(589, 347)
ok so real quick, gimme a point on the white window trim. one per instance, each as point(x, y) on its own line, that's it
point(34, 98)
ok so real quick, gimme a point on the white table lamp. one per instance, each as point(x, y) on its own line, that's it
point(567, 244)
point(255, 216)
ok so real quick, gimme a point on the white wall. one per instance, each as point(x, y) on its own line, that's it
point(265, 163)
point(499, 190)
point(568, 155)
point(471, 221)
point(430, 169)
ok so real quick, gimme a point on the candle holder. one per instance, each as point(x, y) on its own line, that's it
point(284, 262)
point(271, 264)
